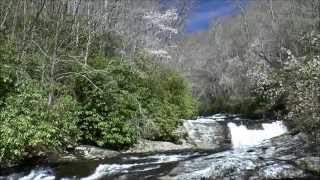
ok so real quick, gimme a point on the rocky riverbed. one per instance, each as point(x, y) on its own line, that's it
point(217, 147)
point(283, 157)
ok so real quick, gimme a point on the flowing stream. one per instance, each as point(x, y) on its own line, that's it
point(244, 133)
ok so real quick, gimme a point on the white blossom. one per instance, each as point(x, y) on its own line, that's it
point(159, 53)
point(163, 21)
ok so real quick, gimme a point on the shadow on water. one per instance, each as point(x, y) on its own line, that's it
point(129, 166)
point(125, 166)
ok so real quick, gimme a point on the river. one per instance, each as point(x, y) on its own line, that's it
point(244, 133)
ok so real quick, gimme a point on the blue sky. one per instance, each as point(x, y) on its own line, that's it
point(205, 11)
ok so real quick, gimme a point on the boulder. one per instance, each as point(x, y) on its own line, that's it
point(207, 134)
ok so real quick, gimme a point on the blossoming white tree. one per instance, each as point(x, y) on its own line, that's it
point(296, 84)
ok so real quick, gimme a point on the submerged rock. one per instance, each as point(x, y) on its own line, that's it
point(273, 159)
point(310, 163)
point(94, 153)
point(82, 152)
point(279, 171)
point(158, 146)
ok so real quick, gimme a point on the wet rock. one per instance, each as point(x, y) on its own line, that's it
point(280, 171)
point(207, 134)
point(94, 153)
point(311, 164)
point(64, 158)
point(289, 157)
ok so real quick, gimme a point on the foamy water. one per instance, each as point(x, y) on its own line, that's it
point(37, 174)
point(109, 169)
point(243, 137)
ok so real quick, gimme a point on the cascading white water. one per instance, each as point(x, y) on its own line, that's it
point(37, 174)
point(108, 169)
point(241, 136)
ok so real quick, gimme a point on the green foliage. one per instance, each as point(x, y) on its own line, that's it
point(105, 120)
point(167, 99)
point(130, 101)
point(28, 125)
point(252, 107)
point(7, 72)
point(109, 103)
point(179, 95)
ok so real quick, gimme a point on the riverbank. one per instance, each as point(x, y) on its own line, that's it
point(216, 146)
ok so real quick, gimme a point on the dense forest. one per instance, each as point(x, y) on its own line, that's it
point(74, 72)
point(107, 73)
